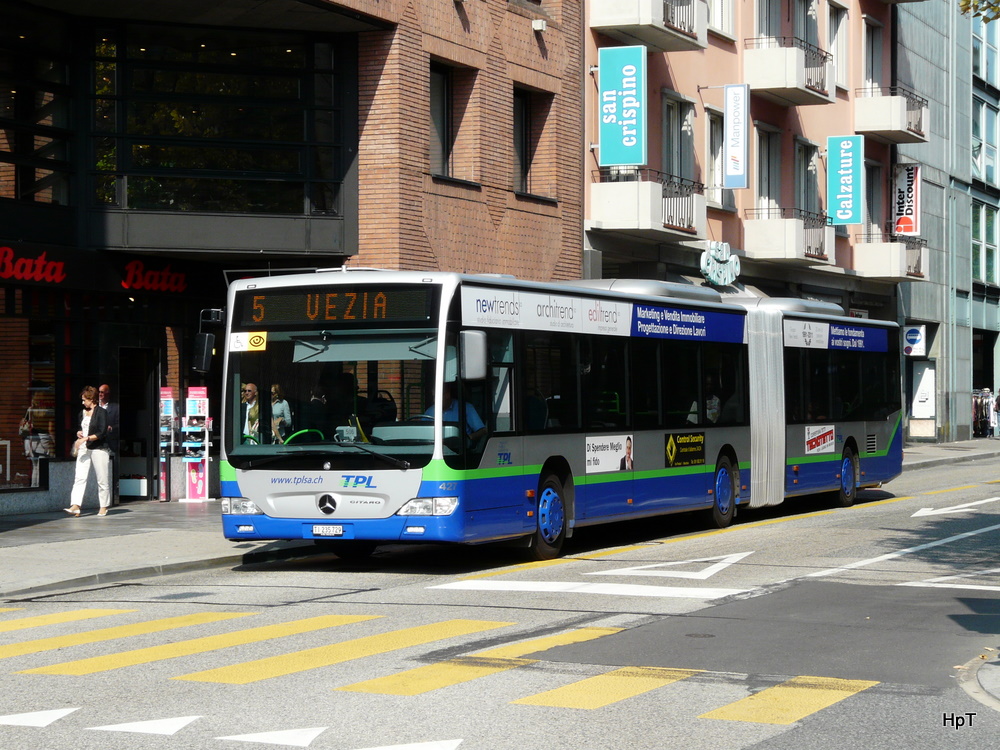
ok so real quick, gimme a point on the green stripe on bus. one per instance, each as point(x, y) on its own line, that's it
point(439, 471)
point(226, 471)
point(610, 477)
point(835, 458)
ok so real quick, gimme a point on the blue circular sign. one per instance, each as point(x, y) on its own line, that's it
point(913, 336)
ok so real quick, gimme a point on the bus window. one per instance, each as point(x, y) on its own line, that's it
point(845, 370)
point(551, 374)
point(795, 409)
point(604, 374)
point(501, 348)
point(680, 384)
point(646, 383)
point(731, 368)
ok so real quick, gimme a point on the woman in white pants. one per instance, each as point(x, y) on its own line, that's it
point(91, 450)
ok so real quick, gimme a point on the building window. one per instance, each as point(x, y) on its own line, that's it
point(768, 168)
point(678, 145)
point(207, 120)
point(873, 200)
point(714, 172)
point(806, 177)
point(984, 141)
point(35, 109)
point(720, 15)
point(839, 33)
point(534, 149)
point(522, 141)
point(984, 51)
point(442, 134)
point(452, 138)
point(768, 20)
point(807, 21)
point(984, 243)
point(873, 55)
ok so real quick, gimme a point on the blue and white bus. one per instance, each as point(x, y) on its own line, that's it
point(576, 404)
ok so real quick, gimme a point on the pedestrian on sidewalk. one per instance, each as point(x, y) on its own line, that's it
point(994, 402)
point(91, 449)
point(111, 407)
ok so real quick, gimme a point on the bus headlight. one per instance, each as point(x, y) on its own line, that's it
point(240, 506)
point(429, 506)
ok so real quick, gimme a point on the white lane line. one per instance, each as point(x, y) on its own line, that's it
point(606, 589)
point(940, 582)
point(900, 553)
point(705, 573)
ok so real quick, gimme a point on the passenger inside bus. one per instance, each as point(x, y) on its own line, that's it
point(475, 428)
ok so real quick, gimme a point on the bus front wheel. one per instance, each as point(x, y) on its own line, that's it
point(726, 492)
point(848, 491)
point(550, 530)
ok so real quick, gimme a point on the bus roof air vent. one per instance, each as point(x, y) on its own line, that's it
point(793, 305)
point(650, 288)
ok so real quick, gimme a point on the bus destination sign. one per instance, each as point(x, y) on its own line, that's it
point(345, 306)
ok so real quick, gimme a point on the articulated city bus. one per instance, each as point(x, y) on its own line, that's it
point(475, 408)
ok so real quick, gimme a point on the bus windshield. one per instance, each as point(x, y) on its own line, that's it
point(352, 392)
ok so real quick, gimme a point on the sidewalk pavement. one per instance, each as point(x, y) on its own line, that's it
point(42, 552)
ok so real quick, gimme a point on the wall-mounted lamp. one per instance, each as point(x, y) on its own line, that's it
point(538, 25)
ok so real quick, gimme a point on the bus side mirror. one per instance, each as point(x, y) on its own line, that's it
point(204, 345)
point(474, 354)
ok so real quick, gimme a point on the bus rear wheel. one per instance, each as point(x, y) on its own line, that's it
point(550, 530)
point(726, 492)
point(848, 491)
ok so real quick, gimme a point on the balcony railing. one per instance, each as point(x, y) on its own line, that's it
point(679, 211)
point(815, 59)
point(681, 15)
point(813, 224)
point(914, 247)
point(915, 105)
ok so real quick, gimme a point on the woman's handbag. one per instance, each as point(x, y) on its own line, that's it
point(25, 428)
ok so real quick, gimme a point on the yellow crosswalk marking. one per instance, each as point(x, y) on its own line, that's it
point(108, 634)
point(196, 646)
point(605, 689)
point(790, 701)
point(456, 671)
point(58, 618)
point(325, 656)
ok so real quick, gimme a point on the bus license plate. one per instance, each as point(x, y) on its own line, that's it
point(328, 530)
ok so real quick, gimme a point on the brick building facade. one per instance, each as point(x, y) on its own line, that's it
point(204, 142)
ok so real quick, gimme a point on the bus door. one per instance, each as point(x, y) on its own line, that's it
point(609, 449)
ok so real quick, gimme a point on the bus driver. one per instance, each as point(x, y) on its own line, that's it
point(474, 426)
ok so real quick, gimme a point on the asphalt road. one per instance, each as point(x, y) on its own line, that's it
point(800, 627)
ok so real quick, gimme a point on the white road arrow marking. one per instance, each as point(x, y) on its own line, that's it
point(291, 737)
point(157, 726)
point(443, 745)
point(952, 509)
point(647, 570)
point(36, 718)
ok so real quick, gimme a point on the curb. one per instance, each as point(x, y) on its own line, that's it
point(970, 681)
point(151, 571)
point(959, 459)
